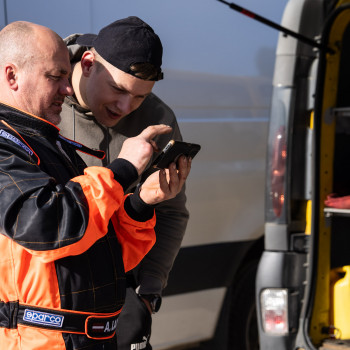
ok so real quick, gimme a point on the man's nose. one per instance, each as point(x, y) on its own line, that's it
point(124, 104)
point(66, 88)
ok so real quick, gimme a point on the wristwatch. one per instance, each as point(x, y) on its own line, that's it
point(155, 300)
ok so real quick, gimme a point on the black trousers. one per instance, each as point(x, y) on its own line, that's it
point(134, 324)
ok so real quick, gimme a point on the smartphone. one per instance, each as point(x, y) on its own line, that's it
point(172, 151)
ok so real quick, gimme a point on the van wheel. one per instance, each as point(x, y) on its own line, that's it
point(243, 326)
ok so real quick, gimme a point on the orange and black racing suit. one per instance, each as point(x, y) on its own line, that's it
point(67, 235)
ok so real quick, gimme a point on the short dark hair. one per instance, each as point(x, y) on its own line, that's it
point(145, 71)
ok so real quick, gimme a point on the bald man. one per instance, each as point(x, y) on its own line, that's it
point(67, 232)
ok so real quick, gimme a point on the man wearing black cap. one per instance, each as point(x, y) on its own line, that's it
point(113, 76)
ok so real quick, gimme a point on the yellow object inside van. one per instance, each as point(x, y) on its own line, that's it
point(341, 303)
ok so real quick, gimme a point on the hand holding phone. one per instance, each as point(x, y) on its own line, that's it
point(165, 184)
point(172, 151)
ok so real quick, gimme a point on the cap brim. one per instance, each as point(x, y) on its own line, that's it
point(86, 39)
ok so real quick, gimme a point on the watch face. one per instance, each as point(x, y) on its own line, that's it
point(155, 304)
point(154, 300)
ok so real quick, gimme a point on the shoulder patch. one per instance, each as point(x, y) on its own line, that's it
point(14, 139)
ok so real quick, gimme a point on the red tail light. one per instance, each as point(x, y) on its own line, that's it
point(278, 168)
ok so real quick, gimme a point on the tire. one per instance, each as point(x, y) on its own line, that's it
point(243, 326)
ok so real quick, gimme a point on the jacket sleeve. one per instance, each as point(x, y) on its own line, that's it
point(172, 217)
point(135, 237)
point(52, 220)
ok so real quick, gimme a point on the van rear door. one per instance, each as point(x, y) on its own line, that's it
point(303, 274)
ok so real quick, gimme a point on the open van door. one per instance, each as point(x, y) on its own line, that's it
point(303, 281)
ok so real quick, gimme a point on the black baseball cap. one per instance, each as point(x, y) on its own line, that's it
point(126, 42)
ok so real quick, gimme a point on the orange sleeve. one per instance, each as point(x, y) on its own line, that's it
point(104, 196)
point(136, 238)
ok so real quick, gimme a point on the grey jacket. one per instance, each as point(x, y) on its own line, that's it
point(172, 216)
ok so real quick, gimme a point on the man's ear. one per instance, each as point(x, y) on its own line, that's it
point(11, 76)
point(87, 62)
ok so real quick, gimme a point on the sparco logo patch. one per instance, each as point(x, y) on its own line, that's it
point(43, 318)
point(14, 139)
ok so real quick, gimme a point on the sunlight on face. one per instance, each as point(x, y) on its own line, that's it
point(118, 93)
